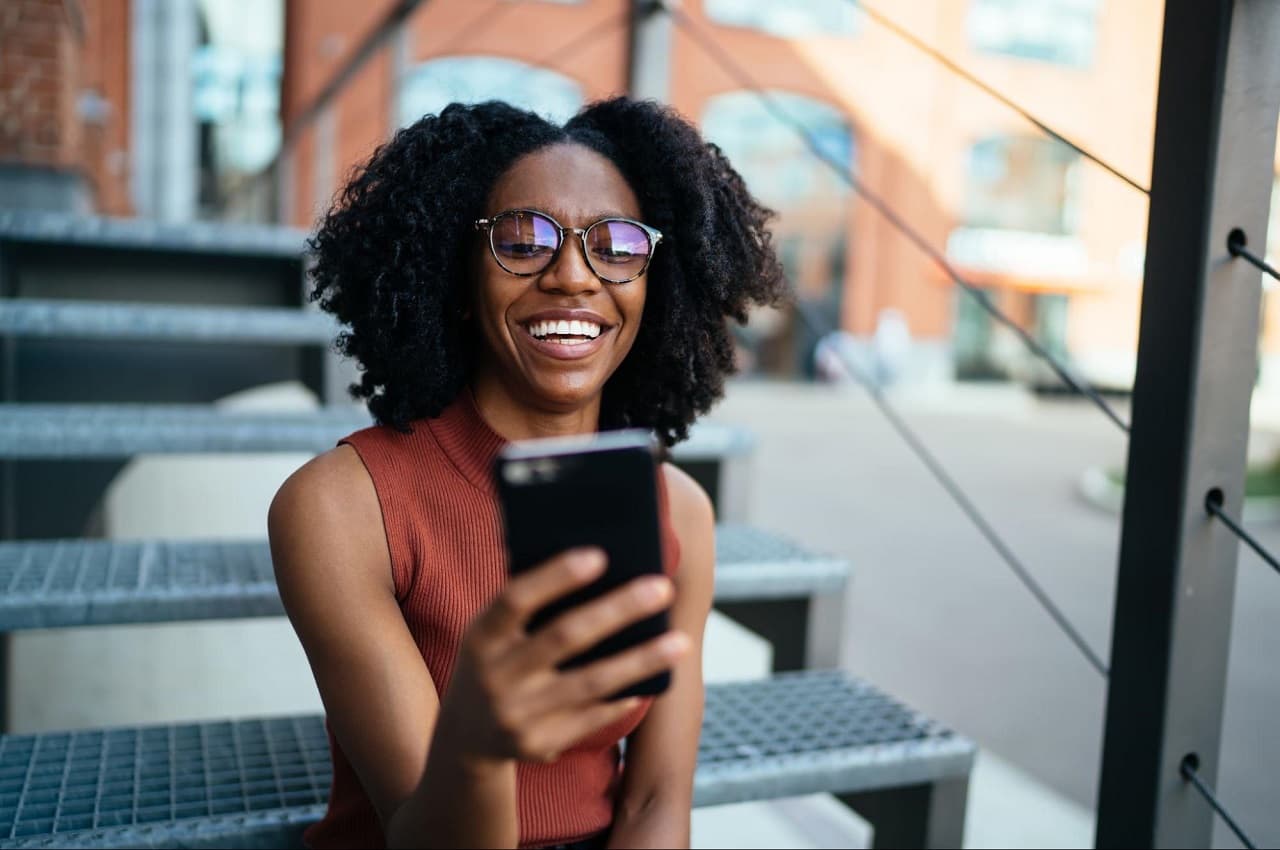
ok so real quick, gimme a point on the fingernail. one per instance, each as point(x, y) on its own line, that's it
point(675, 643)
point(587, 561)
point(654, 589)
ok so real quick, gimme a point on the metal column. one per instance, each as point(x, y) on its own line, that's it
point(1214, 146)
point(650, 72)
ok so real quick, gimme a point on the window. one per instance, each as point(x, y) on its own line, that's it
point(1063, 32)
point(1022, 183)
point(235, 97)
point(811, 230)
point(435, 84)
point(786, 19)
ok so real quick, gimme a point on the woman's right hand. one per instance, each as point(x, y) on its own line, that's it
point(508, 699)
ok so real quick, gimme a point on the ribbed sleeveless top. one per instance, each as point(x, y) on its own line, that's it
point(448, 560)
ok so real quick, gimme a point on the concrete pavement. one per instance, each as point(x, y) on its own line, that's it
point(936, 617)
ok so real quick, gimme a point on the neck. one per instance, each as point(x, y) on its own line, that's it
point(514, 419)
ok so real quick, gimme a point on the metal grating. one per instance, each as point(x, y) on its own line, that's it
point(75, 783)
point(66, 583)
point(817, 731)
point(30, 317)
point(66, 431)
point(217, 238)
point(203, 784)
point(755, 564)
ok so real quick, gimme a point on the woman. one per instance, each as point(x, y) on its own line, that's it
point(506, 278)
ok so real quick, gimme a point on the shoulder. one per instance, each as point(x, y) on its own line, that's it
point(326, 514)
point(693, 520)
point(689, 503)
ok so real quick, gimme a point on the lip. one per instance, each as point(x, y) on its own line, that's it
point(555, 350)
point(568, 315)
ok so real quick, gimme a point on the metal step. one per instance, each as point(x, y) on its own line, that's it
point(260, 782)
point(85, 431)
point(68, 583)
point(138, 234)
point(119, 320)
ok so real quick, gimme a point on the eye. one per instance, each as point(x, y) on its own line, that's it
point(524, 249)
point(617, 256)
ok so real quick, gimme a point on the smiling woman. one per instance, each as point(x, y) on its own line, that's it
point(503, 278)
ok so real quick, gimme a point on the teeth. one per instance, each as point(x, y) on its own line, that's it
point(542, 330)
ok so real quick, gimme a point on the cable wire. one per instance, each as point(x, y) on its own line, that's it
point(729, 66)
point(1213, 504)
point(954, 490)
point(950, 64)
point(1236, 246)
point(1188, 771)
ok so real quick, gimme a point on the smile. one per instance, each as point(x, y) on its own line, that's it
point(565, 337)
point(563, 332)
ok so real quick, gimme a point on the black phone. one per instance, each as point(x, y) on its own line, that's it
point(594, 490)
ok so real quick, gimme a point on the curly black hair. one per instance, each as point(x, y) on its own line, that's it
point(391, 258)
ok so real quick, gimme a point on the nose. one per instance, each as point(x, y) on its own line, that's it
point(570, 274)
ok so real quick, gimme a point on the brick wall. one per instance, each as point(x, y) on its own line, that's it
point(39, 71)
point(64, 92)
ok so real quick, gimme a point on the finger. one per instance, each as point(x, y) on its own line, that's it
point(568, 728)
point(528, 592)
point(594, 682)
point(585, 625)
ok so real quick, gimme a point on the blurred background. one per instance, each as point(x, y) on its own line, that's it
point(253, 113)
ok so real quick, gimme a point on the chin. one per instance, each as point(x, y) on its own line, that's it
point(561, 396)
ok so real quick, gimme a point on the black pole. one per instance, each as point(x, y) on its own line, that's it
point(1219, 90)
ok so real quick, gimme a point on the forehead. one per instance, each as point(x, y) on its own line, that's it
point(574, 184)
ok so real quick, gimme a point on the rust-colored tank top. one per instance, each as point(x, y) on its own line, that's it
point(448, 560)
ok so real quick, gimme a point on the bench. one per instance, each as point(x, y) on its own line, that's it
point(260, 782)
point(67, 583)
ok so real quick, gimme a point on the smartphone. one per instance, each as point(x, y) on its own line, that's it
point(591, 490)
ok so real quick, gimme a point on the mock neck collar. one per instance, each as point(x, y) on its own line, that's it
point(468, 440)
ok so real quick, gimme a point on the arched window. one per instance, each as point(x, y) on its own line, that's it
point(435, 84)
point(811, 231)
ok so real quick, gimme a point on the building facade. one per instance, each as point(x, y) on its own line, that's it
point(1053, 239)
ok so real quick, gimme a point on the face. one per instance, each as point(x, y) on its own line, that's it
point(520, 317)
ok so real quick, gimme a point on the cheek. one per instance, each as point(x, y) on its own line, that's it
point(489, 305)
point(631, 305)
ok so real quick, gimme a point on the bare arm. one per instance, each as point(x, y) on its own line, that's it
point(657, 792)
point(334, 572)
point(508, 700)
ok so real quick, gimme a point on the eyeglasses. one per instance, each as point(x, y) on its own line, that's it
point(526, 242)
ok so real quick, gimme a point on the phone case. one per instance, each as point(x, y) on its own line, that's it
point(561, 493)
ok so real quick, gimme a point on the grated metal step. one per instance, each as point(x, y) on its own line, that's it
point(260, 782)
point(118, 320)
point(84, 431)
point(67, 583)
point(217, 238)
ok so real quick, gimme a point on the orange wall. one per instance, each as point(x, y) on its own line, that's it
point(52, 53)
point(913, 123)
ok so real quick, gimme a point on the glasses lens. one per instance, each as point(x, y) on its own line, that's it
point(618, 250)
point(524, 242)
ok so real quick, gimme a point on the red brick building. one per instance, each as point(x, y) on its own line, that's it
point(100, 97)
